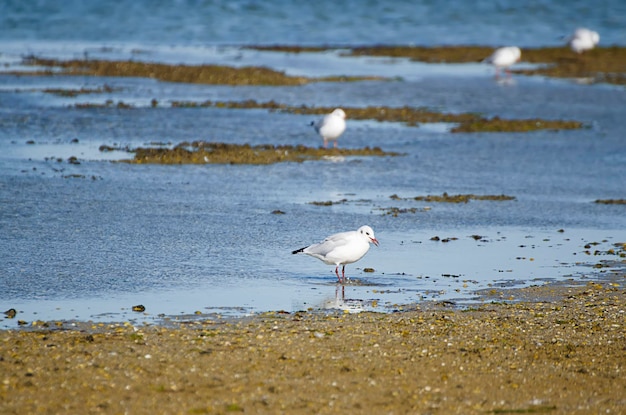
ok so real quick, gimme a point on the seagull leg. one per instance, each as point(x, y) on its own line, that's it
point(337, 273)
point(343, 273)
point(335, 145)
point(325, 143)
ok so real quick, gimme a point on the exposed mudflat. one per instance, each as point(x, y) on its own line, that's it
point(221, 153)
point(465, 122)
point(602, 64)
point(199, 74)
point(563, 354)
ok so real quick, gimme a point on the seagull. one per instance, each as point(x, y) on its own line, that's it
point(583, 39)
point(503, 58)
point(342, 248)
point(331, 126)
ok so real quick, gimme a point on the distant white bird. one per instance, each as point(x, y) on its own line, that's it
point(583, 39)
point(503, 58)
point(331, 126)
point(342, 248)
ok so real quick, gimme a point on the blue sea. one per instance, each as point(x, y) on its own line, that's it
point(351, 22)
point(87, 240)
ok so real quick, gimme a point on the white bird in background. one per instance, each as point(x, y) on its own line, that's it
point(331, 126)
point(342, 248)
point(583, 39)
point(502, 58)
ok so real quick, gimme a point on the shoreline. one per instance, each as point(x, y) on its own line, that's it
point(565, 354)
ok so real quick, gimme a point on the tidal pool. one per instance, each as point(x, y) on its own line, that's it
point(84, 237)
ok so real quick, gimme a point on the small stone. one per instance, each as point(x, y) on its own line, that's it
point(10, 313)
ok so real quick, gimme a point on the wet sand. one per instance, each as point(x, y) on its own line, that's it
point(564, 352)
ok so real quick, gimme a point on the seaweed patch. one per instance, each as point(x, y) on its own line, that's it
point(200, 152)
point(466, 122)
point(192, 74)
point(459, 198)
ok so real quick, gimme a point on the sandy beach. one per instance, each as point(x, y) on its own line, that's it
point(562, 355)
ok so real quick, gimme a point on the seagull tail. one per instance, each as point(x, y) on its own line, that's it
point(297, 251)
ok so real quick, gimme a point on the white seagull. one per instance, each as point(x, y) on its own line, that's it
point(342, 248)
point(583, 39)
point(503, 58)
point(331, 126)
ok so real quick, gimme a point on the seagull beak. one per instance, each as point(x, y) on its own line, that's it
point(374, 241)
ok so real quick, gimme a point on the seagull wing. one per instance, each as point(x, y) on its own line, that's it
point(330, 244)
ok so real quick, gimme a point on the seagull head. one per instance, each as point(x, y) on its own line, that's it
point(368, 233)
point(339, 113)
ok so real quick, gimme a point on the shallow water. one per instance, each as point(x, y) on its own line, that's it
point(90, 240)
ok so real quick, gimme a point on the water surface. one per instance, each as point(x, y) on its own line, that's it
point(88, 241)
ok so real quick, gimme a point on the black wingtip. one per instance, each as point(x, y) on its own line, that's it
point(297, 251)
